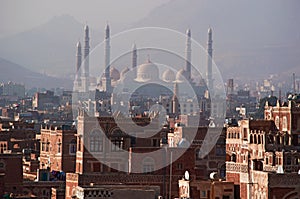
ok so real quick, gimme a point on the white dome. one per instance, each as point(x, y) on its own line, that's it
point(180, 76)
point(147, 72)
point(168, 76)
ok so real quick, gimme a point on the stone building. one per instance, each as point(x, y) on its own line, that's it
point(260, 164)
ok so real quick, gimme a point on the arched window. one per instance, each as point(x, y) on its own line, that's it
point(262, 139)
point(117, 141)
point(197, 153)
point(277, 121)
point(148, 165)
point(296, 160)
point(43, 144)
point(284, 123)
point(255, 139)
point(278, 139)
point(258, 139)
point(47, 145)
point(233, 157)
point(96, 141)
point(288, 160)
point(251, 138)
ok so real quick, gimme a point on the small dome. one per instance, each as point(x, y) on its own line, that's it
point(168, 76)
point(114, 74)
point(147, 72)
point(124, 71)
point(180, 76)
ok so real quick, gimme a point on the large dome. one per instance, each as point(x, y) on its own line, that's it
point(168, 76)
point(147, 72)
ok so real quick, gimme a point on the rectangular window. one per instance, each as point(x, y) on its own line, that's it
point(147, 168)
point(155, 142)
point(96, 144)
point(179, 166)
point(203, 194)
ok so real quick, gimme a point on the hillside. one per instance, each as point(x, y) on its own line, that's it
point(13, 72)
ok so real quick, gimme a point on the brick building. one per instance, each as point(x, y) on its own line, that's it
point(117, 161)
point(11, 174)
point(17, 135)
point(58, 148)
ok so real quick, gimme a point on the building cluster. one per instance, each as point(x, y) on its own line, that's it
point(96, 143)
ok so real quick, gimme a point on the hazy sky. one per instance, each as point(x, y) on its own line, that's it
point(19, 15)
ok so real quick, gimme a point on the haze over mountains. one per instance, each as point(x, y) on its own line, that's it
point(252, 39)
point(18, 74)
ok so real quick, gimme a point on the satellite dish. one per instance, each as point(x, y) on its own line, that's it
point(212, 175)
point(187, 175)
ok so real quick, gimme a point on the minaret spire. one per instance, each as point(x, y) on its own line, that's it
point(86, 52)
point(77, 69)
point(107, 79)
point(78, 58)
point(134, 59)
point(188, 54)
point(175, 102)
point(209, 61)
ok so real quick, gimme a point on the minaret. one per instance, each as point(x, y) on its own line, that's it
point(78, 58)
point(175, 102)
point(209, 62)
point(107, 79)
point(134, 60)
point(78, 64)
point(188, 54)
point(86, 52)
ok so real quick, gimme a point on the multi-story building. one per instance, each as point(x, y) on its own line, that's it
point(106, 155)
point(58, 148)
point(16, 136)
point(263, 155)
point(11, 174)
point(287, 119)
point(13, 89)
point(45, 100)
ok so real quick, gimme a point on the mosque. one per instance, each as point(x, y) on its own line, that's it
point(147, 84)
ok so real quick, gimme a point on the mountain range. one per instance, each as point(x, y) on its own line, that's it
point(19, 74)
point(252, 39)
